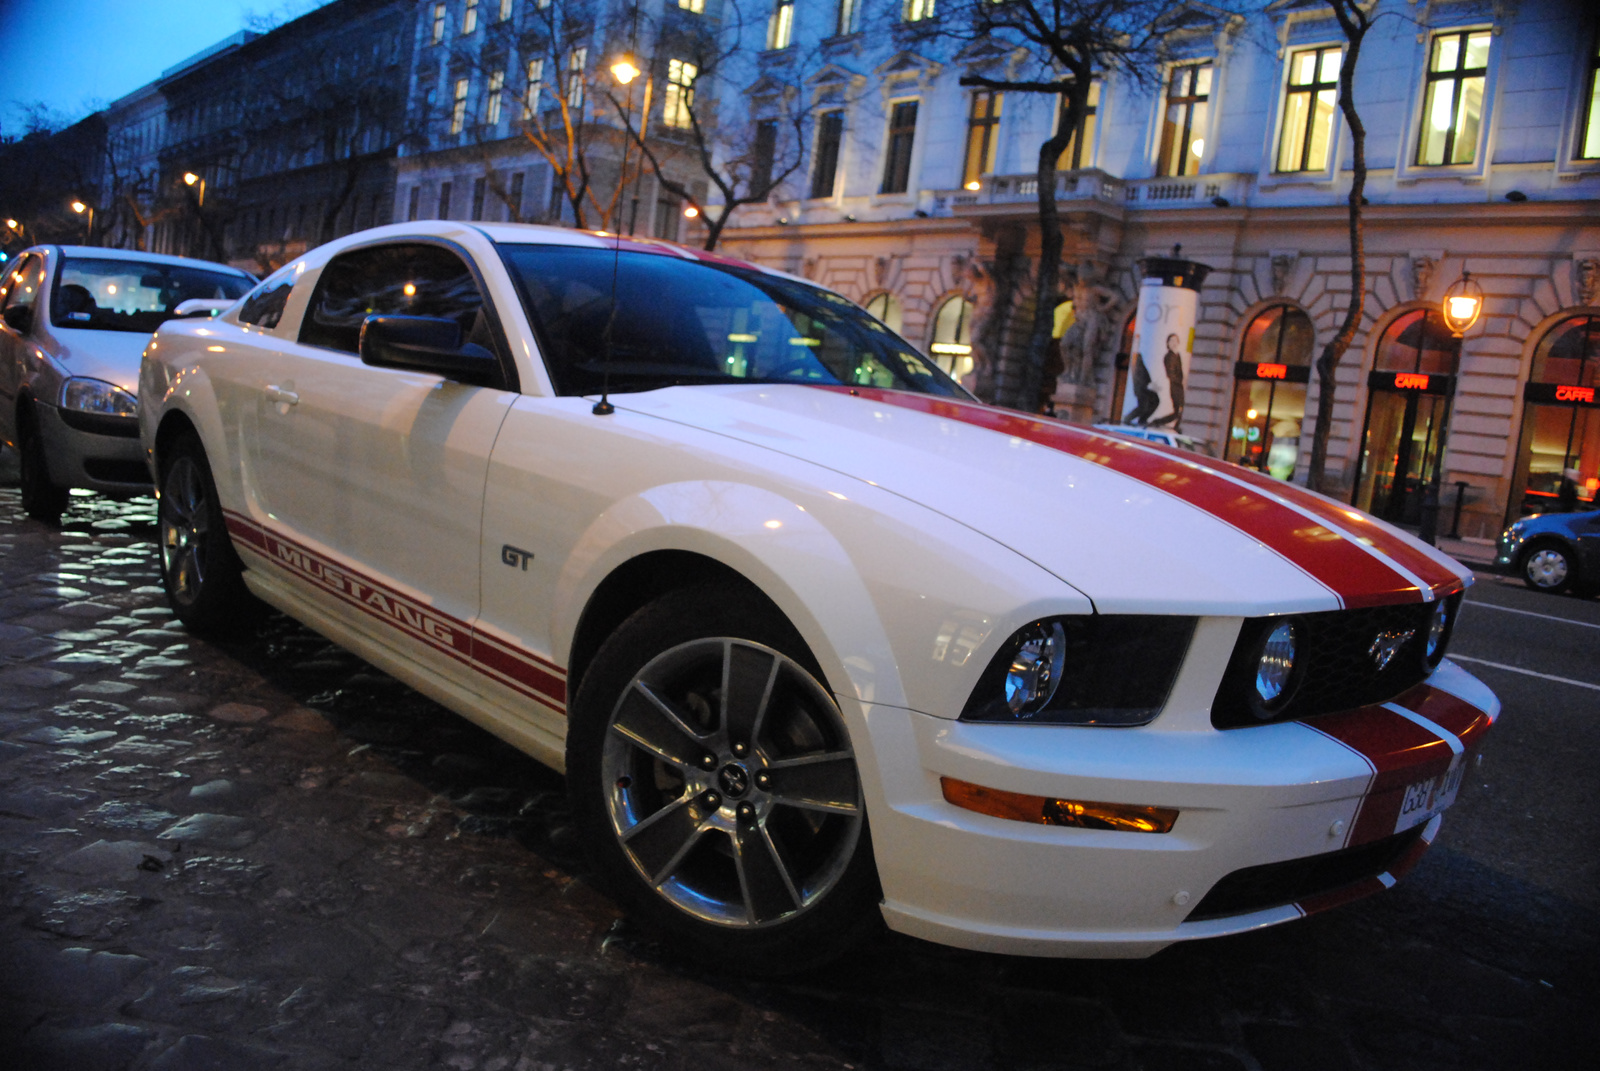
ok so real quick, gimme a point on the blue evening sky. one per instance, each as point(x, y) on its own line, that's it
point(76, 55)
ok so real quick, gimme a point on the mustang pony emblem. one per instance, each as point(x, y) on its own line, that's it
point(1385, 644)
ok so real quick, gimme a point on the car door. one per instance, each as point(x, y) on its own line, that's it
point(370, 480)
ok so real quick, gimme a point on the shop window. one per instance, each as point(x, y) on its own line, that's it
point(1589, 118)
point(983, 128)
point(1269, 392)
point(1418, 341)
point(1408, 407)
point(897, 158)
point(1080, 150)
point(1558, 456)
point(887, 309)
point(1452, 103)
point(1308, 110)
point(952, 337)
point(830, 134)
point(1183, 134)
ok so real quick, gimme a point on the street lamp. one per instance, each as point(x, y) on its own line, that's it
point(1463, 304)
point(87, 211)
point(198, 184)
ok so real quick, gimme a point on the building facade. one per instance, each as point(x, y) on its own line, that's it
point(1483, 143)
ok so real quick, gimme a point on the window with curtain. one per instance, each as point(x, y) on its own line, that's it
point(1452, 102)
point(1309, 104)
point(1183, 130)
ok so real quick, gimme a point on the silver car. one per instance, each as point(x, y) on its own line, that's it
point(74, 321)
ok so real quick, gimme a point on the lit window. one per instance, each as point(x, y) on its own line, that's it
point(505, 9)
point(1452, 105)
point(849, 15)
point(1080, 148)
point(897, 160)
point(917, 10)
point(680, 94)
point(1308, 107)
point(530, 103)
point(458, 111)
point(696, 6)
point(1589, 120)
point(830, 133)
point(983, 124)
point(491, 106)
point(439, 12)
point(1183, 134)
point(780, 28)
point(952, 337)
point(469, 17)
point(575, 65)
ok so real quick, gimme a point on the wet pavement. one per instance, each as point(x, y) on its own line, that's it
point(267, 854)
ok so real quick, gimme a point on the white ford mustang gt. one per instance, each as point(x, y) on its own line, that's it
point(816, 638)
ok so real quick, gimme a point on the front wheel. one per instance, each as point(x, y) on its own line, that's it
point(1548, 567)
point(42, 498)
point(716, 787)
point(199, 568)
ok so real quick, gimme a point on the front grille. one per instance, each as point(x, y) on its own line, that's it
point(1256, 888)
point(1335, 670)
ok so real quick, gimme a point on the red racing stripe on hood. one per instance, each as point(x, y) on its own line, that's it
point(1354, 556)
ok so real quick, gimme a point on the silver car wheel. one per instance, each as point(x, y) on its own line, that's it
point(1546, 568)
point(185, 525)
point(731, 785)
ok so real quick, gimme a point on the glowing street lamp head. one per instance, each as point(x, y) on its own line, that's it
point(691, 212)
point(79, 207)
point(190, 178)
point(13, 224)
point(624, 71)
point(1463, 303)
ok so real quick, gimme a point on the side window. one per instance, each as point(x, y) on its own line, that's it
point(22, 282)
point(264, 307)
point(404, 280)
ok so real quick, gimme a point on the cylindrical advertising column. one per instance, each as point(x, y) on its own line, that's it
point(1163, 341)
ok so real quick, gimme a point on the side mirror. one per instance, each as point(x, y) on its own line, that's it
point(199, 306)
point(425, 344)
point(19, 318)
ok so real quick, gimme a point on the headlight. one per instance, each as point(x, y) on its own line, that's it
point(1094, 669)
point(96, 396)
point(1275, 667)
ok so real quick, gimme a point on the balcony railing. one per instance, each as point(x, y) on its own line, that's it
point(1092, 184)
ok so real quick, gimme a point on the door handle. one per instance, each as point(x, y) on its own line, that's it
point(283, 397)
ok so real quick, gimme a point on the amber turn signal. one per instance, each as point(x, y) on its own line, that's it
point(1041, 810)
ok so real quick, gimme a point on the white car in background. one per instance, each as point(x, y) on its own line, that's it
point(817, 638)
point(74, 321)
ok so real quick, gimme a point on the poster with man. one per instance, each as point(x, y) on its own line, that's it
point(1163, 342)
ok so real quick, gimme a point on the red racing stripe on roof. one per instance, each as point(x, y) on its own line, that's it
point(1354, 556)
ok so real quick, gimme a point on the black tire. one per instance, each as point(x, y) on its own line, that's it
point(1548, 567)
point(199, 567)
point(739, 834)
point(42, 498)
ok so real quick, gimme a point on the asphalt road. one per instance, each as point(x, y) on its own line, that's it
point(266, 854)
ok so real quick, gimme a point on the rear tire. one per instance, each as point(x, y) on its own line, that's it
point(199, 567)
point(715, 787)
point(42, 498)
point(1549, 567)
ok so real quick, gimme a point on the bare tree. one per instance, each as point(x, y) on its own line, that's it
point(1354, 22)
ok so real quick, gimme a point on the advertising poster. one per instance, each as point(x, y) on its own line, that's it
point(1163, 341)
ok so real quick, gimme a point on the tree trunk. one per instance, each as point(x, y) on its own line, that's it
point(1354, 23)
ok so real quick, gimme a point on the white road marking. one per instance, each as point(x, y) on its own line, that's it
point(1526, 672)
point(1532, 613)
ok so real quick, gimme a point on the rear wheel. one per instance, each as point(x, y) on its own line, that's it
point(42, 498)
point(716, 787)
point(199, 568)
point(1548, 567)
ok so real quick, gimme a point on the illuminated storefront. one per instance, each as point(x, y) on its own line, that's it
point(1269, 391)
point(1408, 406)
point(951, 345)
point(1560, 438)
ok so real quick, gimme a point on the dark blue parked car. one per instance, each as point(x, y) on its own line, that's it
point(1554, 551)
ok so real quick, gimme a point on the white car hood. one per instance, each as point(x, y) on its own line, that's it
point(1136, 527)
point(112, 356)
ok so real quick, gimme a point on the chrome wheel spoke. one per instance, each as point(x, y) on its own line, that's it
point(748, 675)
point(826, 782)
point(764, 878)
point(660, 842)
point(649, 721)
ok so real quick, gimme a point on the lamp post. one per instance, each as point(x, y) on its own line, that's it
point(87, 211)
point(1461, 307)
point(198, 184)
point(625, 72)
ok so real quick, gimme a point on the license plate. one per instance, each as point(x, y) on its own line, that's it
point(1424, 799)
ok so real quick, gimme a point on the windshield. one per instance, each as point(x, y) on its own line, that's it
point(130, 295)
point(681, 321)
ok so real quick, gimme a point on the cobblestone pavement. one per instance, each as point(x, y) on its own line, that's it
point(270, 855)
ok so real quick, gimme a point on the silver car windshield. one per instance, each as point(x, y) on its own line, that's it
point(679, 321)
point(129, 295)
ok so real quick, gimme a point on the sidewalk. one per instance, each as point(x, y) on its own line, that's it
point(1468, 551)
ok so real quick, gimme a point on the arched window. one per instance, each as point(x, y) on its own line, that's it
point(1408, 406)
point(1418, 341)
point(1558, 455)
point(1269, 391)
point(952, 337)
point(887, 309)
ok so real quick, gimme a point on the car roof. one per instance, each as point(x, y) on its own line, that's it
point(104, 253)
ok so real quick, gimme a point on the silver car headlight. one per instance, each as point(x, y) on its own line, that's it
point(98, 397)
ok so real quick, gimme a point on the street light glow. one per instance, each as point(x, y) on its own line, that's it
point(79, 207)
point(190, 178)
point(624, 71)
point(691, 212)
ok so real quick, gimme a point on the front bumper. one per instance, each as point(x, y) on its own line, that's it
point(1339, 795)
point(100, 453)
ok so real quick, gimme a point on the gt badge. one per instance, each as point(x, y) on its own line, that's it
point(1385, 644)
point(518, 558)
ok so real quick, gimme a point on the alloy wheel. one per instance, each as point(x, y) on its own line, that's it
point(185, 528)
